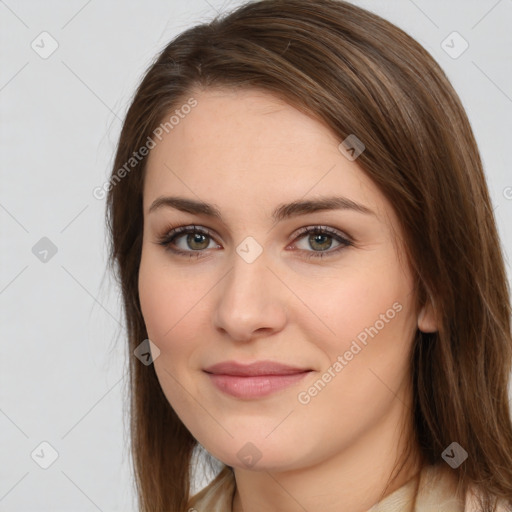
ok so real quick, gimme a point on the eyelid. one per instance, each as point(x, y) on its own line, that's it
point(322, 229)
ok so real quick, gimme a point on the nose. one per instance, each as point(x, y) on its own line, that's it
point(251, 301)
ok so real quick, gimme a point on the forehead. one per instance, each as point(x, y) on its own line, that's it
point(249, 146)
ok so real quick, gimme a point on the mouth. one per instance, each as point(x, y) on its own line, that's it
point(255, 380)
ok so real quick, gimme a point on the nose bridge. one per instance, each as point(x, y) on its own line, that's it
point(249, 298)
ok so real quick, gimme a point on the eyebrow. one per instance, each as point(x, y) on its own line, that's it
point(283, 211)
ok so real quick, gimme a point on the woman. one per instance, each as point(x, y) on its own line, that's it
point(311, 272)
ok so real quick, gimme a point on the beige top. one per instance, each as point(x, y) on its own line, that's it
point(437, 492)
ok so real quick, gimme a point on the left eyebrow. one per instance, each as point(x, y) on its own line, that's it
point(282, 212)
point(303, 207)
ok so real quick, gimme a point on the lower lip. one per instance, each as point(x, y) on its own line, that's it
point(256, 386)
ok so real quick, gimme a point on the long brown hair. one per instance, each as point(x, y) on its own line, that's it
point(358, 74)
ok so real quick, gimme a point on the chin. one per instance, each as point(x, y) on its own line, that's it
point(257, 456)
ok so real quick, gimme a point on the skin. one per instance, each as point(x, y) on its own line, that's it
point(248, 152)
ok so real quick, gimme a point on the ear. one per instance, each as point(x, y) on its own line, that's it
point(427, 321)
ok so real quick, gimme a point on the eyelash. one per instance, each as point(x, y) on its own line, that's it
point(171, 235)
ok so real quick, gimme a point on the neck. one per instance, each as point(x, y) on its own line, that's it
point(356, 476)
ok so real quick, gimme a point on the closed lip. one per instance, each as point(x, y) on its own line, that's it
point(257, 368)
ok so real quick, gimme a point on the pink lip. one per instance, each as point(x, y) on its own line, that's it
point(254, 380)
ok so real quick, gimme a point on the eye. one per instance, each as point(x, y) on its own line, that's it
point(320, 239)
point(197, 238)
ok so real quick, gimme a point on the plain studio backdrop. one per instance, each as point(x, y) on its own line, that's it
point(68, 71)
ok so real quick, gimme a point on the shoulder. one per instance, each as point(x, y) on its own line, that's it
point(217, 496)
point(440, 480)
point(471, 503)
point(439, 490)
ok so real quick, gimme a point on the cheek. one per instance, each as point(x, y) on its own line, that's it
point(374, 331)
point(372, 325)
point(368, 354)
point(167, 307)
point(369, 302)
point(163, 295)
point(153, 300)
point(176, 313)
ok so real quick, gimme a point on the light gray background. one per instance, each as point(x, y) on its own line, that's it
point(62, 371)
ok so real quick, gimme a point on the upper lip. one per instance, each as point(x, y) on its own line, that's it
point(256, 368)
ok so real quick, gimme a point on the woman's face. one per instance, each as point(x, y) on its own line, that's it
point(251, 286)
